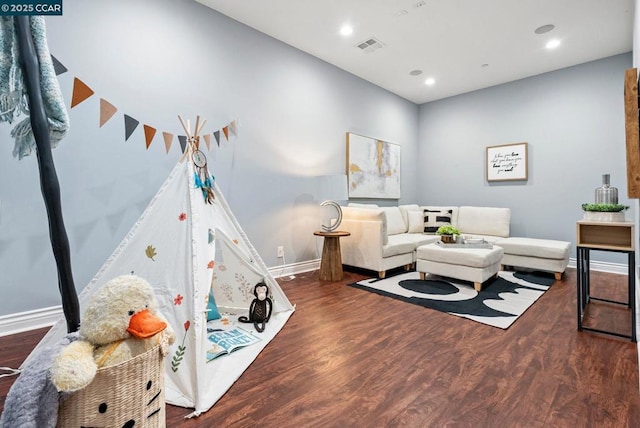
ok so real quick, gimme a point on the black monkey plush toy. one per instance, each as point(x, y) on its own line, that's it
point(260, 309)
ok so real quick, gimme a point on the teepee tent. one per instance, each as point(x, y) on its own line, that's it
point(186, 243)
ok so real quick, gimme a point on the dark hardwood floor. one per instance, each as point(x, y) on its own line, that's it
point(349, 358)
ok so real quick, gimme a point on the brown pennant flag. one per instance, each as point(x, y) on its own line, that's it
point(168, 139)
point(226, 132)
point(107, 110)
point(149, 133)
point(207, 140)
point(80, 92)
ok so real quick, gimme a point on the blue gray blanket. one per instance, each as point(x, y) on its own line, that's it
point(32, 401)
point(13, 95)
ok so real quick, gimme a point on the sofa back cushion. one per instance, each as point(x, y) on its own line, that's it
point(405, 209)
point(416, 221)
point(434, 217)
point(484, 221)
point(395, 221)
point(358, 205)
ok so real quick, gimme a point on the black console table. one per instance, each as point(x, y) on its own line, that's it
point(604, 236)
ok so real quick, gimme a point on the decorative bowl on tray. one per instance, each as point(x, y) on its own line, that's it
point(474, 241)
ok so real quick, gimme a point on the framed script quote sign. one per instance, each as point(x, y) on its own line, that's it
point(507, 162)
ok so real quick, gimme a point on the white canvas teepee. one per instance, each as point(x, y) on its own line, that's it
point(184, 246)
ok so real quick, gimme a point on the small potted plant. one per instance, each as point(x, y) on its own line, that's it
point(604, 212)
point(447, 234)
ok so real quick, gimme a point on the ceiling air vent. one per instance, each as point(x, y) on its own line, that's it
point(370, 45)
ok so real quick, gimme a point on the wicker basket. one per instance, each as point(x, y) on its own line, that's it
point(120, 394)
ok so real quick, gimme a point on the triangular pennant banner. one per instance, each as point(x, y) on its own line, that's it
point(226, 132)
point(57, 66)
point(130, 125)
point(183, 142)
point(80, 92)
point(149, 133)
point(107, 110)
point(233, 127)
point(217, 135)
point(168, 139)
point(207, 140)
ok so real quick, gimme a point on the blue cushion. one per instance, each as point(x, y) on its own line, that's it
point(212, 313)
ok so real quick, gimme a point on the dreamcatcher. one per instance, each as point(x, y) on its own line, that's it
point(202, 179)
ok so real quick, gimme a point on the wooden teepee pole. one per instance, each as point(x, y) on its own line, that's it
point(48, 178)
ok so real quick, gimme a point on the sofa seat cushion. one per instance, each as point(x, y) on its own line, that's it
point(398, 244)
point(532, 247)
point(472, 257)
point(415, 239)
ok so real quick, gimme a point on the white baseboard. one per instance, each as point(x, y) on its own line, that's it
point(46, 317)
point(294, 268)
point(29, 320)
point(619, 268)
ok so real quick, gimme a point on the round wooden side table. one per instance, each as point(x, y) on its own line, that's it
point(331, 262)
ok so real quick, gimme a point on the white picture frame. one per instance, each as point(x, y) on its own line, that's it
point(373, 168)
point(507, 162)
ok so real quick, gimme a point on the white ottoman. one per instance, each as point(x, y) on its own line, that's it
point(539, 254)
point(469, 264)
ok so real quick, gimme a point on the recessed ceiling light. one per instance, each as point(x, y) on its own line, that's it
point(544, 29)
point(415, 72)
point(552, 44)
point(346, 30)
point(430, 81)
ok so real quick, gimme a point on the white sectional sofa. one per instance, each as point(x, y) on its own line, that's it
point(384, 238)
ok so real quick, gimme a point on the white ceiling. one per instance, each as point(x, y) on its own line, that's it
point(448, 40)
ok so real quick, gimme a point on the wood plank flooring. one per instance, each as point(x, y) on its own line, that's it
point(350, 358)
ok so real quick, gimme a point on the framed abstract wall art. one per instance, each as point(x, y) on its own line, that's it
point(507, 162)
point(373, 168)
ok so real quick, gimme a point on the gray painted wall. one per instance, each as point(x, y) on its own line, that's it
point(573, 120)
point(155, 59)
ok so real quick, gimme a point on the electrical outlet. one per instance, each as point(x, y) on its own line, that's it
point(280, 252)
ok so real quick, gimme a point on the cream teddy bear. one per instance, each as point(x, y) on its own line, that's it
point(121, 321)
